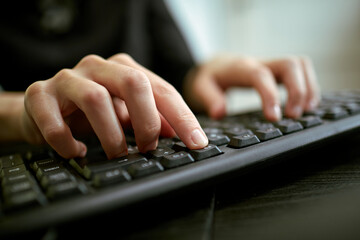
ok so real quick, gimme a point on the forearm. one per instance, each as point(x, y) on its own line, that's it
point(11, 108)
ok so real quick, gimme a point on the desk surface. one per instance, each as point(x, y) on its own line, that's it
point(313, 196)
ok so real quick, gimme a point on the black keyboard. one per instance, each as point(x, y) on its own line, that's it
point(39, 189)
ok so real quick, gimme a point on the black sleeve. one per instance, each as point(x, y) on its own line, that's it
point(171, 57)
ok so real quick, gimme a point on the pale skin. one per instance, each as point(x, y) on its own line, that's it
point(107, 96)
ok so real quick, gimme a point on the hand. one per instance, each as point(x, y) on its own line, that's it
point(205, 87)
point(105, 95)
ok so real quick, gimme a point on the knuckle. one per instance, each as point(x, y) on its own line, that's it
point(53, 134)
point(34, 89)
point(260, 75)
point(165, 89)
point(135, 79)
point(64, 74)
point(123, 57)
point(298, 93)
point(291, 64)
point(95, 95)
point(91, 60)
point(152, 129)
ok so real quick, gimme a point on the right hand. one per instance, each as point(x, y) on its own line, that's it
point(105, 95)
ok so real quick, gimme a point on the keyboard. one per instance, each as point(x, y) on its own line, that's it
point(40, 190)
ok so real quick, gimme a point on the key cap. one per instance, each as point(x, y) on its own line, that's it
point(209, 130)
point(30, 198)
point(137, 170)
point(12, 170)
point(310, 121)
point(166, 142)
point(206, 152)
point(288, 126)
point(64, 189)
point(335, 113)
point(179, 146)
point(237, 131)
point(122, 162)
point(159, 152)
point(55, 177)
point(17, 187)
point(218, 139)
point(108, 177)
point(352, 107)
point(10, 161)
point(243, 140)
point(176, 159)
point(15, 178)
point(268, 133)
point(22, 193)
point(98, 163)
point(45, 169)
point(43, 163)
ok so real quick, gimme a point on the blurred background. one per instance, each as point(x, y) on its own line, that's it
point(326, 30)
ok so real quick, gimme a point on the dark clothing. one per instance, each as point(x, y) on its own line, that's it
point(39, 38)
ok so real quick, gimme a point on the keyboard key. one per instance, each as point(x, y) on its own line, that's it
point(30, 198)
point(15, 178)
point(288, 126)
point(236, 131)
point(159, 152)
point(310, 121)
point(87, 167)
point(268, 133)
point(43, 163)
point(10, 161)
point(209, 130)
point(137, 170)
point(166, 142)
point(206, 152)
point(17, 187)
point(243, 140)
point(335, 113)
point(55, 177)
point(218, 139)
point(46, 169)
point(352, 107)
point(64, 189)
point(12, 170)
point(176, 159)
point(179, 146)
point(108, 177)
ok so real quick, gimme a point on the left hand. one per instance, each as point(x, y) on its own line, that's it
point(205, 86)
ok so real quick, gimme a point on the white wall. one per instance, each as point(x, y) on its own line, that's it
point(326, 30)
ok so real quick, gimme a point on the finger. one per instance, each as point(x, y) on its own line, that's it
point(210, 94)
point(289, 72)
point(312, 87)
point(43, 109)
point(96, 103)
point(132, 86)
point(166, 130)
point(122, 113)
point(172, 106)
point(251, 73)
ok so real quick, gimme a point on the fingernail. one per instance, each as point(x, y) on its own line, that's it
point(83, 151)
point(199, 139)
point(312, 104)
point(275, 112)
